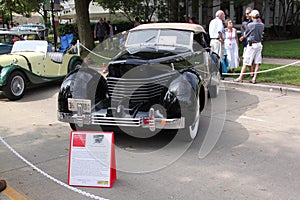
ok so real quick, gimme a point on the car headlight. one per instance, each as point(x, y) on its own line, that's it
point(15, 61)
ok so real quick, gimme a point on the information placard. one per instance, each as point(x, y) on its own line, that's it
point(92, 161)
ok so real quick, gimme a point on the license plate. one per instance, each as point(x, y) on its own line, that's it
point(82, 104)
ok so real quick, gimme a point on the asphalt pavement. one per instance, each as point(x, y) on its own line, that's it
point(256, 156)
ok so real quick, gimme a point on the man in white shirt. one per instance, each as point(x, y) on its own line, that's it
point(216, 33)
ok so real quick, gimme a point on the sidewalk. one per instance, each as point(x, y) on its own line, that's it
point(281, 61)
point(282, 88)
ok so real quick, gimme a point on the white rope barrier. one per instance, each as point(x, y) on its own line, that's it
point(230, 74)
point(95, 53)
point(84, 193)
point(264, 71)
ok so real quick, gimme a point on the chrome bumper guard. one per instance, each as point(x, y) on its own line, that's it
point(144, 122)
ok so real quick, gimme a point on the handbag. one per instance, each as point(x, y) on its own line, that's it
point(224, 64)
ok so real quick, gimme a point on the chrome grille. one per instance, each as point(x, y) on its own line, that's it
point(137, 89)
point(114, 121)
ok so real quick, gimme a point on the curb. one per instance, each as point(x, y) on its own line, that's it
point(276, 88)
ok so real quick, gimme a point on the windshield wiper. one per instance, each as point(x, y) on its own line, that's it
point(151, 38)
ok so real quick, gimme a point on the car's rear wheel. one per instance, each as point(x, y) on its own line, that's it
point(15, 87)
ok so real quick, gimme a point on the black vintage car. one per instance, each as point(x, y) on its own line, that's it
point(160, 80)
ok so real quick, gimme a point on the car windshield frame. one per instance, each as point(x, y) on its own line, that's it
point(161, 38)
point(38, 46)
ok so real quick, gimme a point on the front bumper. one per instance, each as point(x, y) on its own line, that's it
point(144, 120)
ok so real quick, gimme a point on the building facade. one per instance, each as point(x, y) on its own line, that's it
point(204, 11)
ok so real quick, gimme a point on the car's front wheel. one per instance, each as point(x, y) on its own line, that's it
point(15, 87)
point(190, 132)
point(76, 127)
point(73, 126)
point(213, 91)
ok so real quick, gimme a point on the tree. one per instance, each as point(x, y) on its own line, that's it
point(23, 7)
point(163, 11)
point(83, 23)
point(132, 8)
point(148, 7)
point(126, 7)
point(207, 12)
point(295, 17)
point(290, 13)
point(258, 5)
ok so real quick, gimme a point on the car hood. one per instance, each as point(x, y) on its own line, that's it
point(22, 58)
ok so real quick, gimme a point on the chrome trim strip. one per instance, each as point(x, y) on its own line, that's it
point(143, 80)
point(177, 123)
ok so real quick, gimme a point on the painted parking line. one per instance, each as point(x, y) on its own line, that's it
point(12, 194)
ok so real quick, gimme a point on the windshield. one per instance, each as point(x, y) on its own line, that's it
point(28, 28)
point(160, 37)
point(35, 46)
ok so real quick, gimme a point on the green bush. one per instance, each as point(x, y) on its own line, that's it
point(120, 26)
point(63, 29)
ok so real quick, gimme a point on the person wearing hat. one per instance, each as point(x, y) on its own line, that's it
point(253, 53)
point(2, 185)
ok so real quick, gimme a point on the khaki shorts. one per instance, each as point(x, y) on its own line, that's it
point(217, 47)
point(253, 54)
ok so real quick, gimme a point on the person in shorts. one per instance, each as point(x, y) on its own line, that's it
point(247, 19)
point(253, 53)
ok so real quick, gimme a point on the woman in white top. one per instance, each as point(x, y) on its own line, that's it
point(231, 45)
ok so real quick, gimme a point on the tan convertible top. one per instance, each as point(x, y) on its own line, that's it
point(179, 26)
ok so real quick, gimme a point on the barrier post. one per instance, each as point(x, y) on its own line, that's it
point(78, 48)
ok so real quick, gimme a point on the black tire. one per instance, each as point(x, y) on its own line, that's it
point(213, 91)
point(190, 132)
point(73, 127)
point(15, 87)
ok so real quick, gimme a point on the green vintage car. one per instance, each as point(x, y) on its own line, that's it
point(33, 63)
point(7, 39)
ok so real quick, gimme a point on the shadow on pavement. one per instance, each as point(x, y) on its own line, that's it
point(36, 93)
